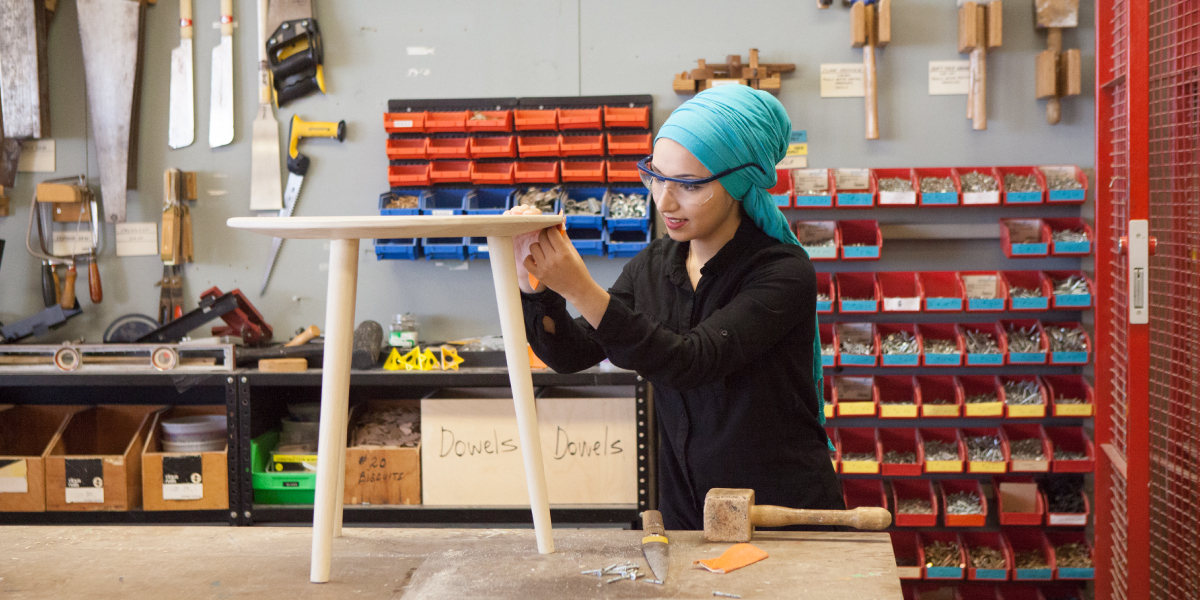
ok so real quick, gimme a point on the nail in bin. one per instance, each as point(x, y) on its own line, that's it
point(899, 397)
point(908, 561)
point(448, 147)
point(906, 198)
point(28, 434)
point(537, 172)
point(184, 481)
point(927, 538)
point(1069, 357)
point(1029, 280)
point(941, 396)
point(986, 466)
point(930, 332)
point(1076, 196)
point(408, 175)
point(1037, 357)
point(907, 489)
point(1070, 301)
point(96, 462)
point(1024, 411)
point(980, 198)
point(1030, 540)
point(828, 338)
point(1074, 440)
point(857, 333)
point(1058, 539)
point(535, 120)
point(582, 194)
point(859, 240)
point(407, 149)
point(855, 397)
point(986, 539)
point(623, 171)
point(1034, 197)
point(835, 455)
point(937, 198)
point(943, 434)
point(1064, 248)
point(883, 330)
point(493, 120)
point(493, 173)
point(949, 487)
point(449, 121)
point(626, 243)
point(1019, 501)
point(580, 118)
point(1059, 519)
point(1075, 387)
point(631, 117)
point(853, 188)
point(904, 440)
point(809, 188)
point(1024, 238)
point(865, 493)
point(397, 249)
point(404, 122)
point(979, 385)
point(504, 146)
point(818, 238)
point(585, 144)
point(631, 224)
point(899, 290)
point(942, 291)
point(825, 286)
point(858, 441)
point(1017, 432)
point(781, 192)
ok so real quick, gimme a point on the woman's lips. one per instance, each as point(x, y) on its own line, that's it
point(674, 223)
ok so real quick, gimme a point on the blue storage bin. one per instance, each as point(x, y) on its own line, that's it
point(557, 203)
point(446, 248)
point(626, 243)
point(588, 242)
point(387, 196)
point(477, 248)
point(587, 221)
point(488, 201)
point(827, 360)
point(397, 249)
point(642, 224)
point(444, 201)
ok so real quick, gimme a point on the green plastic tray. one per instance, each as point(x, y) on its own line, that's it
point(277, 488)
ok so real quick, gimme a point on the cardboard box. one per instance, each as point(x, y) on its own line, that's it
point(382, 474)
point(27, 433)
point(183, 480)
point(96, 464)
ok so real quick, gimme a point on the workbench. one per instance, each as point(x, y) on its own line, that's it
point(133, 563)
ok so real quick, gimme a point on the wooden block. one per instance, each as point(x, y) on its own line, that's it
point(981, 27)
point(188, 186)
point(995, 24)
point(1072, 73)
point(105, 441)
point(858, 25)
point(171, 185)
point(214, 469)
point(72, 212)
point(59, 192)
point(171, 249)
point(1057, 13)
point(770, 84)
point(967, 27)
point(883, 22)
point(283, 365)
point(1046, 75)
point(702, 73)
point(872, 31)
point(683, 84)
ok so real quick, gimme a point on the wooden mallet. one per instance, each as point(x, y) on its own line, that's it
point(730, 515)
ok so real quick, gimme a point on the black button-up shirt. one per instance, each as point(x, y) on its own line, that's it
point(731, 362)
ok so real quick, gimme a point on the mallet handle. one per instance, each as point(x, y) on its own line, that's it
point(860, 518)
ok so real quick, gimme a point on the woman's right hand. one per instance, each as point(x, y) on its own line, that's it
point(521, 245)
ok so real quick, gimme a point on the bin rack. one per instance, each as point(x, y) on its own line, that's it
point(986, 539)
point(535, 120)
point(974, 385)
point(986, 466)
point(448, 147)
point(864, 492)
point(623, 171)
point(943, 434)
point(899, 397)
point(1070, 358)
point(493, 173)
point(588, 242)
point(939, 387)
point(977, 282)
point(446, 121)
point(529, 146)
point(627, 117)
point(859, 440)
point(941, 291)
point(537, 172)
point(864, 232)
point(407, 149)
point(1069, 301)
point(882, 330)
point(1024, 540)
point(835, 455)
point(937, 198)
point(447, 248)
point(404, 122)
point(1025, 411)
point(1032, 280)
point(580, 194)
point(488, 201)
point(940, 331)
point(948, 487)
point(581, 118)
point(929, 537)
point(450, 171)
point(904, 547)
point(857, 293)
point(635, 144)
point(502, 146)
point(903, 489)
point(846, 197)
point(1054, 519)
point(1015, 432)
point(808, 232)
point(1070, 248)
point(856, 407)
point(586, 144)
point(1011, 197)
point(591, 171)
point(397, 249)
point(387, 196)
point(1018, 505)
point(408, 175)
point(781, 192)
point(1072, 439)
point(634, 224)
point(895, 198)
point(1027, 249)
point(492, 121)
point(899, 291)
point(624, 243)
point(1026, 358)
point(444, 201)
point(477, 248)
point(980, 198)
point(828, 336)
point(900, 439)
point(861, 330)
point(1058, 538)
point(825, 284)
point(985, 360)
point(1066, 196)
point(1070, 386)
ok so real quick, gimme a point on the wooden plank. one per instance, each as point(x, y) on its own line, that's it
point(883, 23)
point(858, 25)
point(136, 563)
point(1071, 69)
point(995, 24)
point(968, 38)
point(1046, 75)
point(1057, 13)
point(360, 227)
point(24, 79)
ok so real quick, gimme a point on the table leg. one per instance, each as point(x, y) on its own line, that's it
point(335, 400)
point(512, 326)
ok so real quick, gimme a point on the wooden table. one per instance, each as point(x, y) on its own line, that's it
point(344, 234)
point(232, 563)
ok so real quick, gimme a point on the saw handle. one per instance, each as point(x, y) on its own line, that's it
point(305, 336)
point(49, 285)
point(67, 300)
point(185, 19)
point(226, 18)
point(863, 517)
point(94, 290)
point(652, 523)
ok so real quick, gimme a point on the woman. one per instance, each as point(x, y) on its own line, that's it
point(720, 316)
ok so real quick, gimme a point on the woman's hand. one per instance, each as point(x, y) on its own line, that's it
point(521, 245)
point(557, 265)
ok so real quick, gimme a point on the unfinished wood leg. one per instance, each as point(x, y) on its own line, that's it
point(870, 91)
point(335, 400)
point(512, 326)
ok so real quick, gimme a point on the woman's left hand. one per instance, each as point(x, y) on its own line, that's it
point(555, 262)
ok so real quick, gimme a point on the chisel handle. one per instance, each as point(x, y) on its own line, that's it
point(49, 285)
point(305, 336)
point(185, 19)
point(94, 290)
point(226, 18)
point(67, 300)
point(863, 517)
point(652, 523)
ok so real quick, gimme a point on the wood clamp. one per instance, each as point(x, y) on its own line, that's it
point(1059, 72)
point(980, 29)
point(760, 76)
point(177, 242)
point(870, 27)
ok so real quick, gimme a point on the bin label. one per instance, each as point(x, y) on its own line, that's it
point(84, 481)
point(14, 476)
point(183, 477)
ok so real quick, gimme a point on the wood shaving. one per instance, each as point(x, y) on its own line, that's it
point(400, 426)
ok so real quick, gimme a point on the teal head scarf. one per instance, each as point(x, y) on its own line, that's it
point(731, 125)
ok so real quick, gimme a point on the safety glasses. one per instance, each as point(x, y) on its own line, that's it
point(689, 191)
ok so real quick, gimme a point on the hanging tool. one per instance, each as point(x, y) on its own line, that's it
point(182, 129)
point(760, 76)
point(265, 180)
point(730, 515)
point(980, 29)
point(241, 320)
point(295, 50)
point(1059, 73)
point(24, 81)
point(10, 158)
point(297, 165)
point(220, 115)
point(71, 197)
point(870, 27)
point(176, 249)
point(110, 34)
point(654, 544)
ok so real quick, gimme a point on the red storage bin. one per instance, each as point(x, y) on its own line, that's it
point(1077, 196)
point(811, 234)
point(1056, 519)
point(537, 145)
point(895, 198)
point(580, 118)
point(583, 171)
point(407, 149)
point(938, 198)
point(450, 121)
point(1030, 280)
point(926, 538)
point(975, 385)
point(535, 120)
point(986, 539)
point(1070, 248)
point(447, 147)
point(623, 170)
point(984, 291)
point(1058, 538)
point(1081, 301)
point(622, 116)
point(1030, 540)
point(1025, 411)
point(940, 331)
point(1071, 439)
point(781, 192)
point(504, 146)
point(903, 489)
point(825, 286)
point(1036, 357)
point(408, 175)
point(899, 397)
point(975, 591)
point(1024, 238)
point(581, 145)
point(863, 333)
point(941, 291)
point(948, 487)
point(856, 292)
point(860, 240)
point(882, 331)
point(847, 187)
point(864, 492)
point(1011, 197)
point(943, 434)
point(1019, 501)
point(493, 120)
point(537, 172)
point(639, 144)
point(404, 122)
point(979, 466)
point(899, 290)
point(904, 547)
point(1068, 357)
point(855, 396)
point(979, 198)
point(828, 338)
point(937, 388)
point(497, 173)
point(900, 439)
point(1016, 432)
point(1070, 386)
point(449, 171)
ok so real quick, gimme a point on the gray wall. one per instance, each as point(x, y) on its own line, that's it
point(535, 48)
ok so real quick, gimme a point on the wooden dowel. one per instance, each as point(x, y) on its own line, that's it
point(979, 89)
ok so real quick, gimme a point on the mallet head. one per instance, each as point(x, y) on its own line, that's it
point(727, 515)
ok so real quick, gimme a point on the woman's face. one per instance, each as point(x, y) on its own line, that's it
point(689, 221)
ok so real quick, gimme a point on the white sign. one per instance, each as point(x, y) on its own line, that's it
point(183, 491)
point(67, 243)
point(37, 156)
point(980, 286)
point(901, 304)
point(14, 476)
point(852, 179)
point(842, 80)
point(811, 233)
point(811, 180)
point(137, 239)
point(949, 77)
point(717, 82)
point(792, 162)
point(87, 495)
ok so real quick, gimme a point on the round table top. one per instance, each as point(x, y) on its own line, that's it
point(386, 227)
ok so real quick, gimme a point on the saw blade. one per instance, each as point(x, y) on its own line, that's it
point(220, 123)
point(181, 131)
point(290, 194)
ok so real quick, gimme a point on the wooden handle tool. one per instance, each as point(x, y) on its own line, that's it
point(95, 291)
point(304, 337)
point(67, 298)
point(730, 515)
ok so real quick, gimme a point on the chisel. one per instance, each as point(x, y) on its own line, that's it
point(654, 544)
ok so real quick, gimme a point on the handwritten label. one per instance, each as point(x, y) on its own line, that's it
point(842, 80)
point(980, 286)
point(858, 333)
point(901, 304)
point(67, 243)
point(855, 389)
point(811, 180)
point(452, 446)
point(137, 239)
point(37, 156)
point(852, 179)
point(949, 77)
point(792, 162)
point(1024, 231)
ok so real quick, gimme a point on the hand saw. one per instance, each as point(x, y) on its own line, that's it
point(220, 116)
point(182, 129)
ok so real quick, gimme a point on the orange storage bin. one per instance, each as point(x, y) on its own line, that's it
point(580, 118)
point(504, 146)
point(590, 171)
point(449, 171)
point(447, 148)
point(404, 122)
point(640, 144)
point(621, 170)
point(537, 145)
point(621, 116)
point(537, 172)
point(497, 173)
point(407, 149)
point(408, 175)
point(581, 145)
point(493, 120)
point(446, 121)
point(535, 120)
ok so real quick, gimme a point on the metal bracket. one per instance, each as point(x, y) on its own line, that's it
point(1139, 272)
